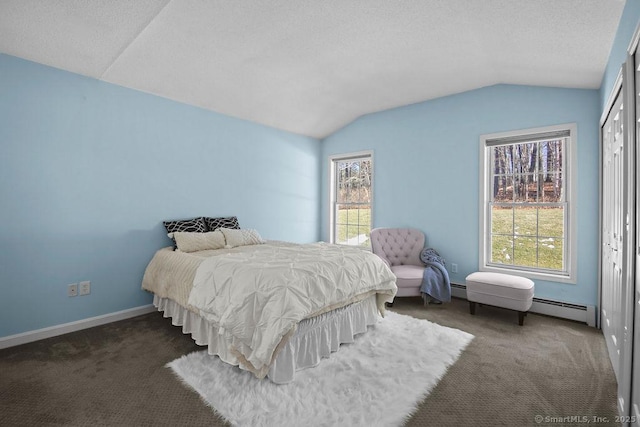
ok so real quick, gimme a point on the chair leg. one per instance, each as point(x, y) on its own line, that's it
point(472, 307)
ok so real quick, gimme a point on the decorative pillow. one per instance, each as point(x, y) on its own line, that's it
point(241, 237)
point(192, 242)
point(213, 224)
point(195, 225)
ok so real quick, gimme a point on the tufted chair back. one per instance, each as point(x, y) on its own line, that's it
point(398, 246)
point(400, 249)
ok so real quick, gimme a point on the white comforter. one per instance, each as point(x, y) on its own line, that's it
point(258, 296)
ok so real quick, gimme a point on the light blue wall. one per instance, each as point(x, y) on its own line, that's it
point(88, 171)
point(426, 169)
point(618, 55)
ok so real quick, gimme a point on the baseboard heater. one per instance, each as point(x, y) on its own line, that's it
point(564, 310)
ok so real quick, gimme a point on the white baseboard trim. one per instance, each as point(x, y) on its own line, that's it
point(65, 328)
point(586, 314)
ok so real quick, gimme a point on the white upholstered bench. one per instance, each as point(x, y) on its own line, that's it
point(500, 290)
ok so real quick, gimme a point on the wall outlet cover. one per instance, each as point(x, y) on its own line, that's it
point(85, 288)
point(72, 290)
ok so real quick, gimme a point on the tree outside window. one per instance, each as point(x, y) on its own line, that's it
point(527, 199)
point(527, 206)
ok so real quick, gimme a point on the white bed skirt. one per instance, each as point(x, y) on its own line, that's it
point(315, 338)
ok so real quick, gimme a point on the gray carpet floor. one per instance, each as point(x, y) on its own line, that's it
point(115, 374)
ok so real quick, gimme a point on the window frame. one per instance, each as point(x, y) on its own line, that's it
point(333, 159)
point(569, 167)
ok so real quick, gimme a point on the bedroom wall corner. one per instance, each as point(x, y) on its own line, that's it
point(427, 165)
point(89, 170)
point(629, 21)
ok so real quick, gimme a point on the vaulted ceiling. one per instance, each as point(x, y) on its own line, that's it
point(313, 66)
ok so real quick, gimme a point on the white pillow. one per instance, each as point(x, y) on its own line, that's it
point(192, 242)
point(241, 237)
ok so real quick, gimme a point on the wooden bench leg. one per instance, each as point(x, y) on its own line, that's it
point(472, 307)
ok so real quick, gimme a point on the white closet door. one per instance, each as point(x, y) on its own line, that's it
point(612, 229)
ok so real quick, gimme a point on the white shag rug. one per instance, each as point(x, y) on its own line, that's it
point(376, 381)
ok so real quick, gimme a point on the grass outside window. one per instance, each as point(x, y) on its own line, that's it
point(353, 225)
point(527, 237)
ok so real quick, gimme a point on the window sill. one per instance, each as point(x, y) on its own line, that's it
point(550, 277)
point(364, 248)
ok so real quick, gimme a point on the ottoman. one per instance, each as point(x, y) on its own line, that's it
point(500, 290)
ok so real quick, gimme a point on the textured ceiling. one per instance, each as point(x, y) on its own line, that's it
point(310, 66)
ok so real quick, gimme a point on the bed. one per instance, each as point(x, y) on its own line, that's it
point(269, 307)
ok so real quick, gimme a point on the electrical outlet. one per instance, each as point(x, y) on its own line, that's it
point(454, 268)
point(85, 288)
point(72, 290)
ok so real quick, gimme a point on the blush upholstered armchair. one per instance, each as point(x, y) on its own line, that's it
point(400, 249)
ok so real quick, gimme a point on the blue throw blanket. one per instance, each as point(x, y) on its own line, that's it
point(435, 282)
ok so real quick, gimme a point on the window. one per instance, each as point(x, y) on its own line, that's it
point(351, 198)
point(527, 198)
